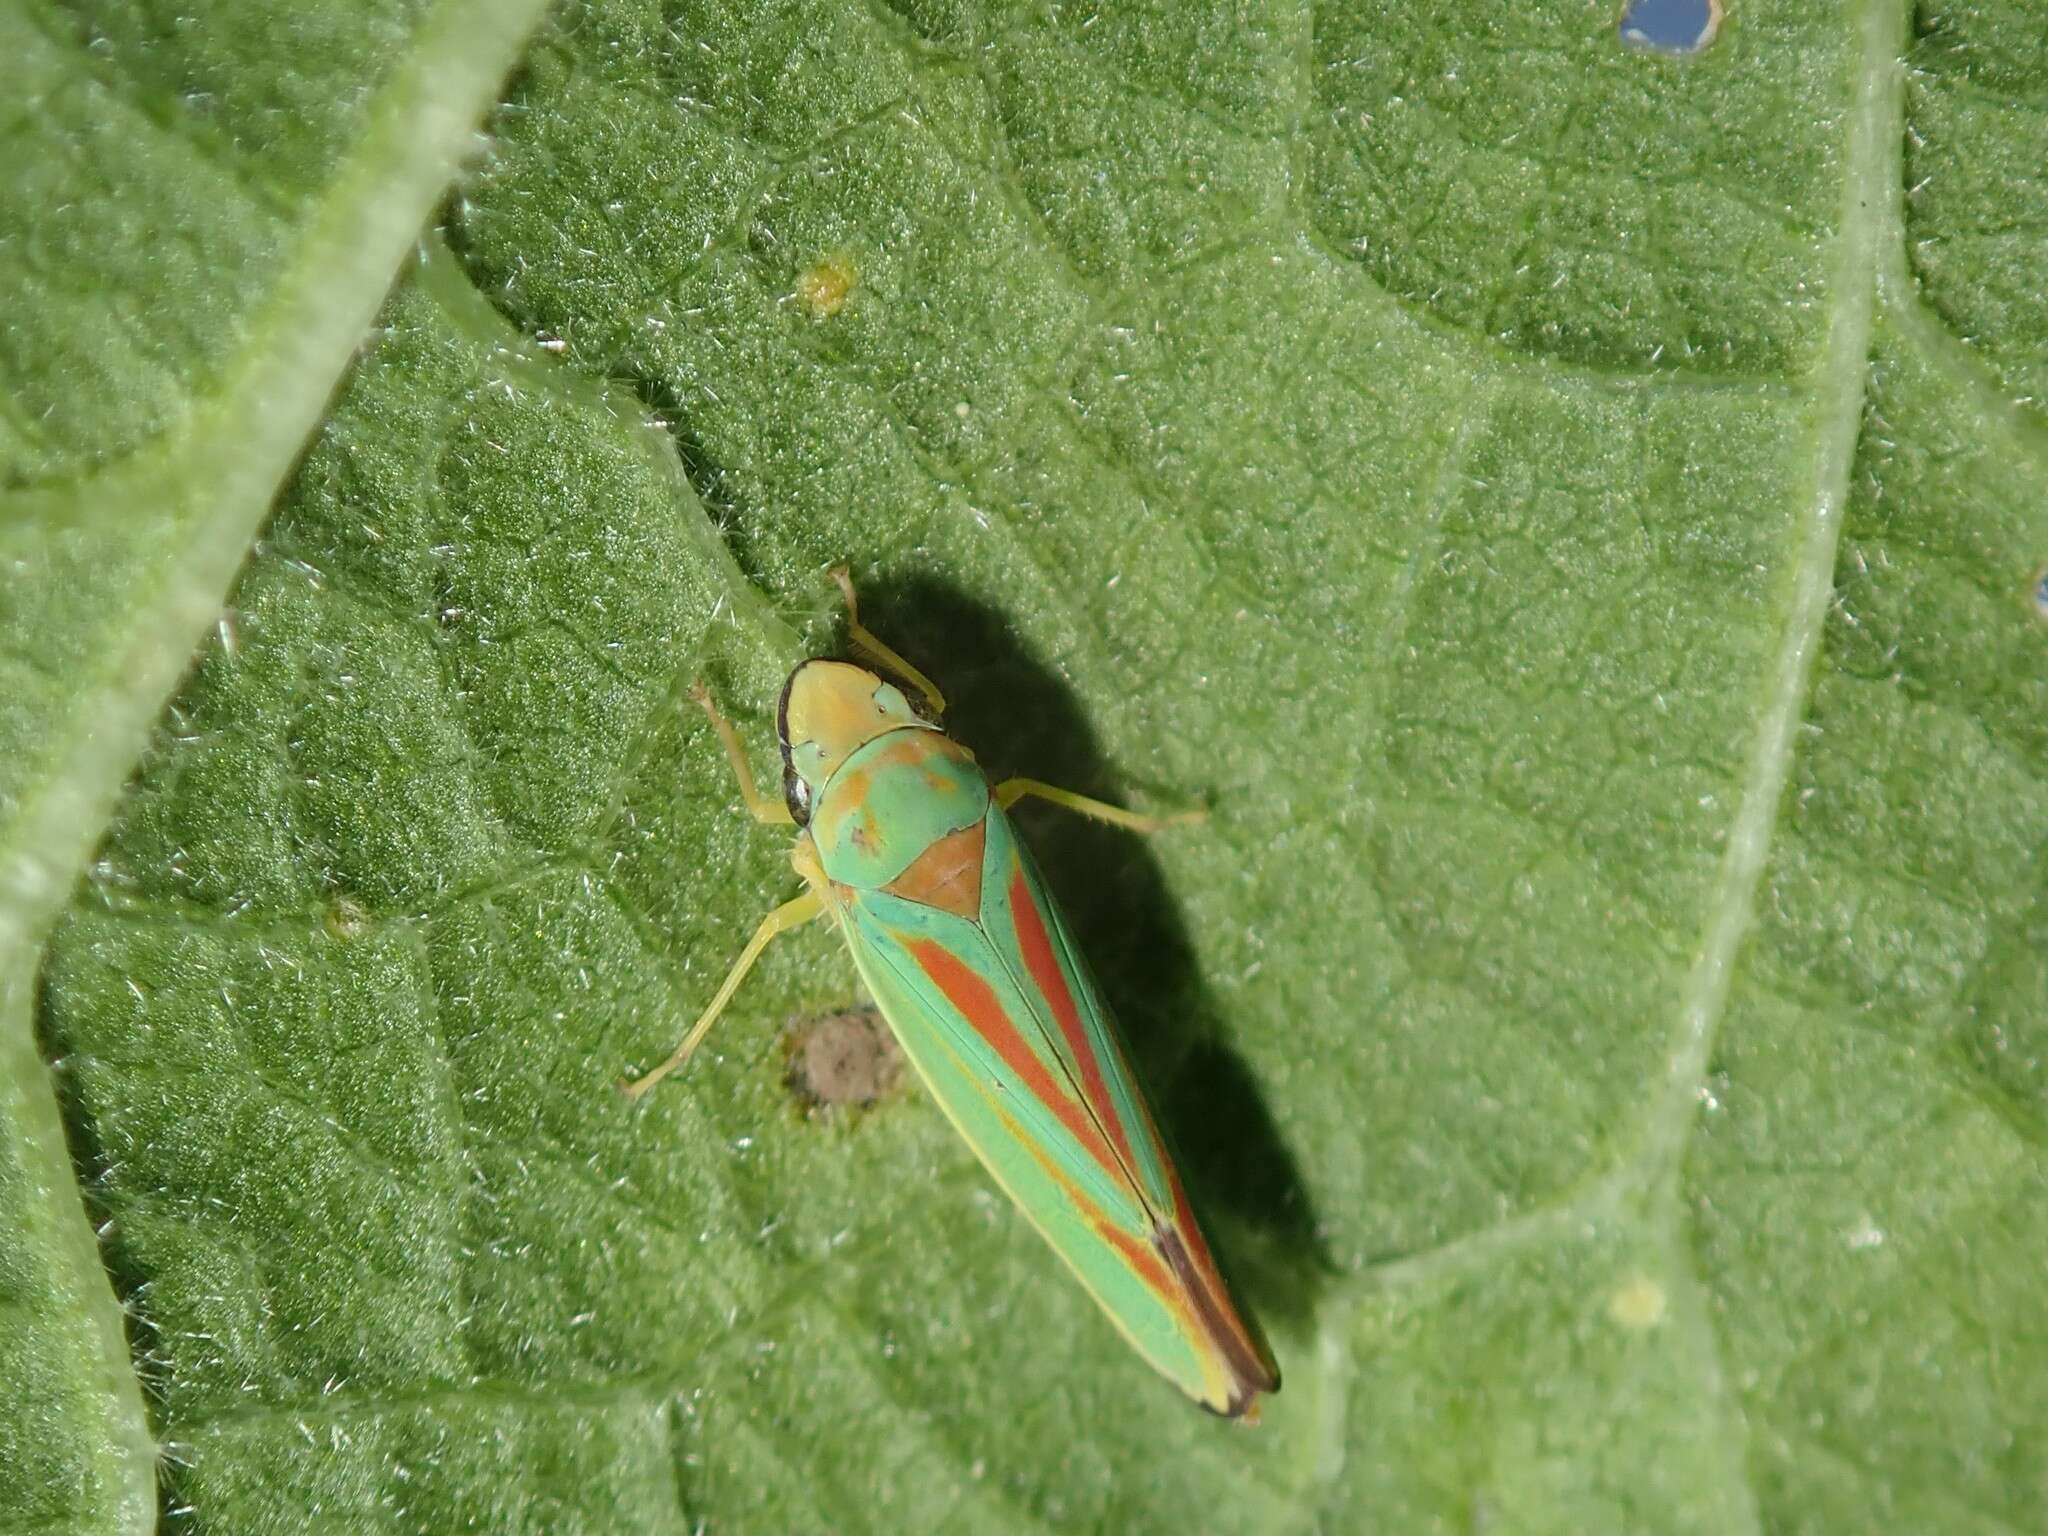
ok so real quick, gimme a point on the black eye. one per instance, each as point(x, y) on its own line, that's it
point(796, 794)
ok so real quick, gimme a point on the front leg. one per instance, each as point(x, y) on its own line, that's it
point(785, 917)
point(865, 639)
point(762, 808)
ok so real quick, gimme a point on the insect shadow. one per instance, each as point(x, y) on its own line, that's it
point(1019, 717)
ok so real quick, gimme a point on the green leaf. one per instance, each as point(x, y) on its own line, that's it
point(195, 226)
point(1575, 516)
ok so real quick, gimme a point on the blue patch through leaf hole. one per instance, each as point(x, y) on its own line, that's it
point(1671, 26)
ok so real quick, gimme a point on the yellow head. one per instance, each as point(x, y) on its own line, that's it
point(829, 709)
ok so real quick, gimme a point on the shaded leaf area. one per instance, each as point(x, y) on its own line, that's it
point(1204, 447)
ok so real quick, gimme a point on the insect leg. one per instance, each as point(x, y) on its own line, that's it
point(781, 920)
point(1010, 791)
point(761, 807)
point(864, 640)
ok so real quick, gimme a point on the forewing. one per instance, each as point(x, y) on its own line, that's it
point(1073, 1025)
point(976, 1039)
point(1025, 926)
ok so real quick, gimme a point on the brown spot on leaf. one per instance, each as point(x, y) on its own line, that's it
point(844, 1058)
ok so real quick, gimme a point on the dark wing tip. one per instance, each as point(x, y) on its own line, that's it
point(1244, 1350)
point(1245, 1393)
point(1243, 1402)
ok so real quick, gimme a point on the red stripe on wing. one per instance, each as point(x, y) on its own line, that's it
point(1250, 1360)
point(1162, 1266)
point(1144, 1259)
point(977, 1003)
point(1176, 1266)
point(1141, 1257)
point(1045, 970)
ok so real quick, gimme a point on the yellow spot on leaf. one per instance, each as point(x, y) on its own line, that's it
point(344, 919)
point(824, 288)
point(1637, 1303)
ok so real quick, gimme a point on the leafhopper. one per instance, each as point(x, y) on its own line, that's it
point(910, 850)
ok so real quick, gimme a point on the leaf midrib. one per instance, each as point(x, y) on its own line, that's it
point(1870, 248)
point(1872, 227)
point(218, 480)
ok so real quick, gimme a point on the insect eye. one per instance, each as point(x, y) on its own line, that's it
point(796, 794)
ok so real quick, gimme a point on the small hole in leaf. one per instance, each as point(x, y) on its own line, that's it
point(845, 1058)
point(2037, 594)
point(1671, 26)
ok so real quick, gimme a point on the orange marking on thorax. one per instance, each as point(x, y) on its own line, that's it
point(852, 784)
point(910, 745)
point(947, 875)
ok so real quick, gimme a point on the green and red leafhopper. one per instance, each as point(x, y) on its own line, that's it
point(911, 851)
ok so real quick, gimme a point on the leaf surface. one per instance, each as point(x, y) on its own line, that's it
point(1575, 516)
